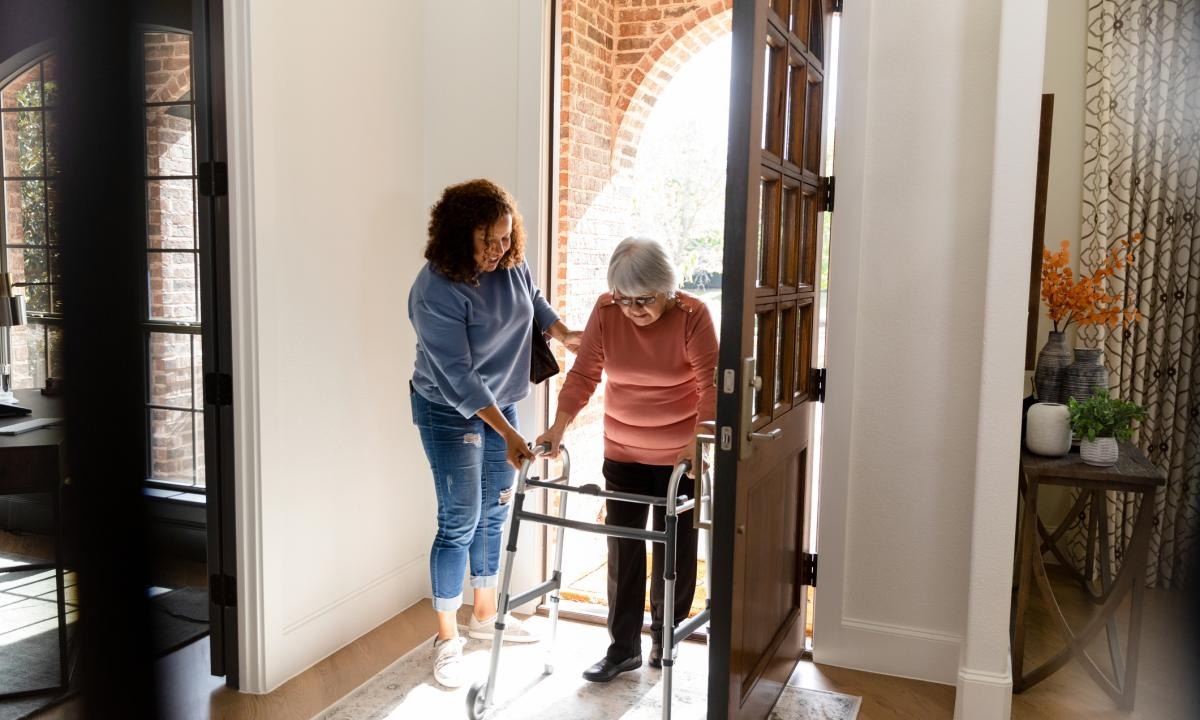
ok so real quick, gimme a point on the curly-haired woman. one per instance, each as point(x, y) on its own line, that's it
point(472, 306)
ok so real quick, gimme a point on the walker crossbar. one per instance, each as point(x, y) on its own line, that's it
point(595, 490)
point(598, 528)
point(479, 699)
point(551, 584)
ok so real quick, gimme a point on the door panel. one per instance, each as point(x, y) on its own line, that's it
point(774, 225)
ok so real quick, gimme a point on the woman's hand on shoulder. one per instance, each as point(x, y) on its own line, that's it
point(570, 339)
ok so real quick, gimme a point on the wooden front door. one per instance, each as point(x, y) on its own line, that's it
point(776, 202)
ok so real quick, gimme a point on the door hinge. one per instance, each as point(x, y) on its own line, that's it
point(218, 389)
point(808, 569)
point(213, 179)
point(222, 590)
point(818, 383)
point(837, 6)
point(827, 188)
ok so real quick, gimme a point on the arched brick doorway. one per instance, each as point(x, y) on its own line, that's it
point(617, 59)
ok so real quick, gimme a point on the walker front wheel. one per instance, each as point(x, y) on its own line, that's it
point(475, 702)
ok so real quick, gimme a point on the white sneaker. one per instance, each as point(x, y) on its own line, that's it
point(514, 630)
point(448, 667)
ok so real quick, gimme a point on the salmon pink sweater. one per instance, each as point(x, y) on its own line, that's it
point(660, 379)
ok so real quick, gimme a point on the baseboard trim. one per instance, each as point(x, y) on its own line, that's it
point(422, 559)
point(898, 650)
point(983, 695)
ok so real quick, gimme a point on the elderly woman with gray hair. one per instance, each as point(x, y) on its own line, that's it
point(658, 348)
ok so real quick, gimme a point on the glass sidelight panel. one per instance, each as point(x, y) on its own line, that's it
point(785, 361)
point(23, 143)
point(173, 290)
point(768, 233)
point(169, 142)
point(168, 65)
point(781, 10)
point(171, 214)
point(796, 99)
point(799, 22)
point(172, 370)
point(812, 130)
point(807, 244)
point(774, 94)
point(791, 239)
point(765, 319)
point(802, 370)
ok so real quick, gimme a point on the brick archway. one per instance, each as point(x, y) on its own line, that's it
point(616, 62)
point(644, 82)
point(618, 56)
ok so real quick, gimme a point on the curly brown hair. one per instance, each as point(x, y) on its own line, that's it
point(453, 220)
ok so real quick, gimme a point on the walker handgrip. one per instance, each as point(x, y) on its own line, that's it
point(589, 489)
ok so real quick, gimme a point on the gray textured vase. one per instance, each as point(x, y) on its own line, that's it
point(1085, 376)
point(1052, 363)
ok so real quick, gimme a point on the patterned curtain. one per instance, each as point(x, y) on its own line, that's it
point(1141, 174)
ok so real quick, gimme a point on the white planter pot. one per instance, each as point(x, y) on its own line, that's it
point(1102, 452)
point(1048, 429)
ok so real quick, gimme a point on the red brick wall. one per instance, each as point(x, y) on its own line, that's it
point(617, 57)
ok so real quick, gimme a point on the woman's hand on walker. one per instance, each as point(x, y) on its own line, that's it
point(552, 437)
point(517, 450)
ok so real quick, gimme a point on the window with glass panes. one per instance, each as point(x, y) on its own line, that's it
point(28, 228)
point(171, 319)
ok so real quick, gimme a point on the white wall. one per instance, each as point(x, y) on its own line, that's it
point(346, 120)
point(908, 272)
point(1066, 50)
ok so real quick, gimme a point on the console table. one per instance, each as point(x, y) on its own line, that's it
point(1133, 473)
point(36, 462)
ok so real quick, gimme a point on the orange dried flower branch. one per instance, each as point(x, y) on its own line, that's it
point(1086, 300)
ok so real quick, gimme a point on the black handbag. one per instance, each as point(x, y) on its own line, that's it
point(542, 363)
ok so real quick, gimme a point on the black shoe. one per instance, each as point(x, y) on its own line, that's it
point(606, 669)
point(655, 655)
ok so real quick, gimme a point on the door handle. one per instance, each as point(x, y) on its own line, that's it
point(754, 383)
point(773, 435)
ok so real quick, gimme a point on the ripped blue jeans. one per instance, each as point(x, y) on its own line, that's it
point(474, 485)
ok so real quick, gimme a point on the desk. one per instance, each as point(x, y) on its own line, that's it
point(36, 462)
point(1133, 473)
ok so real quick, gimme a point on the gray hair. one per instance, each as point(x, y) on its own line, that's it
point(641, 266)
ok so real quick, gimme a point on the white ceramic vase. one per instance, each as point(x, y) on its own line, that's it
point(1102, 451)
point(1048, 429)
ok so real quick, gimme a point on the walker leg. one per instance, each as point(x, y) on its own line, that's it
point(668, 632)
point(555, 595)
point(502, 604)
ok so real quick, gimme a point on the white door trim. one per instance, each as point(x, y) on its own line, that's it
point(244, 306)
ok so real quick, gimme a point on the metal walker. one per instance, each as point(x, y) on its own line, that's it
point(481, 695)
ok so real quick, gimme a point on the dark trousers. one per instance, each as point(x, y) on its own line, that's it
point(627, 558)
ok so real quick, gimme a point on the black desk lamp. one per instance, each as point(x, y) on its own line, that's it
point(12, 313)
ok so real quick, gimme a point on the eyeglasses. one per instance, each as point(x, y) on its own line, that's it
point(642, 301)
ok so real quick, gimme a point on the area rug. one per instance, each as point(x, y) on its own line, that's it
point(406, 689)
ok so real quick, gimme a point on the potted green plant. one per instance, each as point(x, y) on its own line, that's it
point(1099, 422)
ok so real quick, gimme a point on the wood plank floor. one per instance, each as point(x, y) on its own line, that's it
point(1068, 695)
point(1163, 687)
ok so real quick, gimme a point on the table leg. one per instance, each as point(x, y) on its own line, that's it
point(64, 678)
point(1029, 540)
point(1100, 503)
point(1139, 547)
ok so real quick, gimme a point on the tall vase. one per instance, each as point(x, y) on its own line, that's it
point(1052, 363)
point(1085, 376)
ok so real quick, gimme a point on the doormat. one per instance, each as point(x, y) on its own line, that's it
point(407, 689)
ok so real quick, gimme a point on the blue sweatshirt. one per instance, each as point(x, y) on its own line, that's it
point(473, 342)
